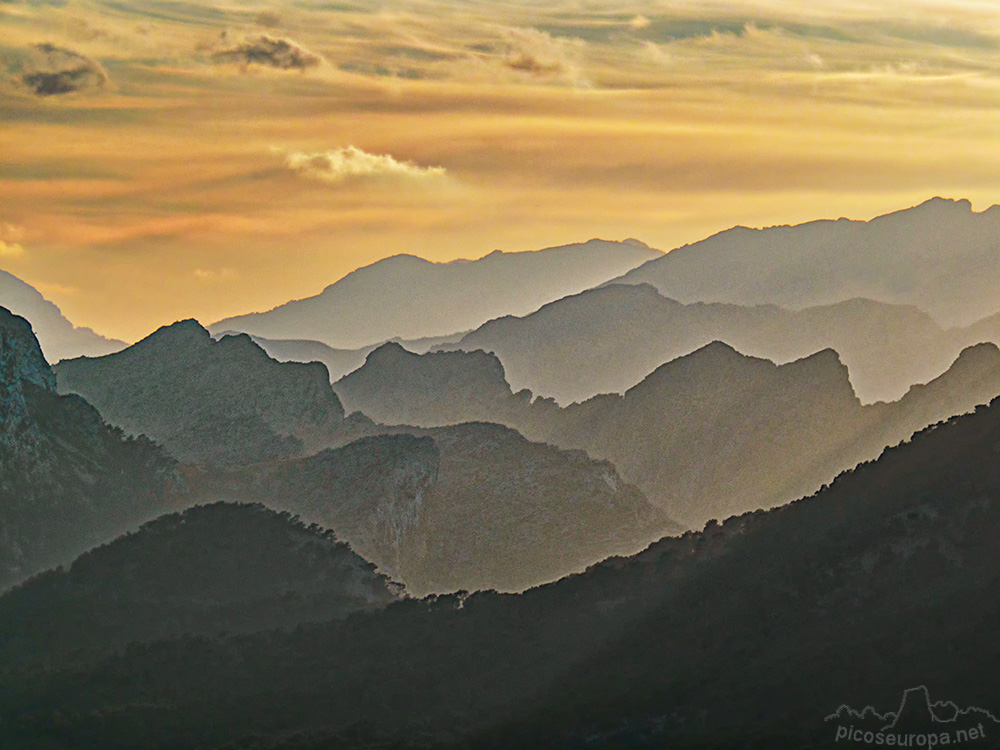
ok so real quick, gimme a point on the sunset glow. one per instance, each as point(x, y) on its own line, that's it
point(163, 160)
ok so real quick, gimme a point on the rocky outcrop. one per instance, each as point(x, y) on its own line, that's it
point(68, 481)
point(207, 401)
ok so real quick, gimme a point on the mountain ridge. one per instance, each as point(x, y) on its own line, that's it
point(418, 298)
point(57, 336)
point(605, 340)
point(937, 255)
point(706, 435)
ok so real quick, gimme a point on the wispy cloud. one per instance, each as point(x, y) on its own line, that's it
point(269, 51)
point(341, 164)
point(541, 55)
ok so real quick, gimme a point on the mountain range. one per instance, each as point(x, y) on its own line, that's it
point(940, 256)
point(68, 481)
point(463, 507)
point(606, 340)
point(746, 634)
point(708, 435)
point(209, 401)
point(58, 337)
point(408, 297)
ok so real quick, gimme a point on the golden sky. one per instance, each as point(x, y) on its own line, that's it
point(163, 159)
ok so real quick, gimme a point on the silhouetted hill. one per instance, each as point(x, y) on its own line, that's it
point(747, 634)
point(58, 338)
point(940, 256)
point(209, 401)
point(416, 298)
point(67, 480)
point(606, 340)
point(215, 568)
point(466, 507)
point(708, 435)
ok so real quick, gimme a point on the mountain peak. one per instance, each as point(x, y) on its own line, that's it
point(189, 329)
point(390, 351)
point(960, 204)
point(21, 357)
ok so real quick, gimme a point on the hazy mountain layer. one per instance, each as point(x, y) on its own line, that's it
point(235, 568)
point(209, 401)
point(748, 634)
point(473, 506)
point(408, 297)
point(940, 256)
point(338, 362)
point(606, 340)
point(708, 435)
point(67, 480)
point(58, 338)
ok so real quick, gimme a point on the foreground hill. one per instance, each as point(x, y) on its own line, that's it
point(940, 256)
point(58, 337)
point(470, 507)
point(209, 401)
point(606, 340)
point(68, 481)
point(236, 568)
point(416, 298)
point(748, 634)
point(708, 435)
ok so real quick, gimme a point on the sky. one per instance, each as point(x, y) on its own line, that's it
point(163, 159)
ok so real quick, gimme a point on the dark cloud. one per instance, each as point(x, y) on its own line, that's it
point(529, 63)
point(55, 70)
point(269, 51)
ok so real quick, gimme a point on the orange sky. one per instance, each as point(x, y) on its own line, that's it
point(163, 160)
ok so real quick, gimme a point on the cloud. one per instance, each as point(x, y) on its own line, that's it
point(11, 232)
point(268, 18)
point(207, 275)
point(269, 51)
point(10, 250)
point(340, 164)
point(541, 55)
point(52, 71)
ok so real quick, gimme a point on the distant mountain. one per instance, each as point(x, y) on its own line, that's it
point(748, 634)
point(939, 256)
point(58, 338)
point(236, 568)
point(408, 297)
point(209, 401)
point(467, 507)
point(339, 362)
point(708, 435)
point(606, 340)
point(67, 480)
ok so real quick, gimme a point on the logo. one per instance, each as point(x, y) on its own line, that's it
point(918, 722)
